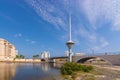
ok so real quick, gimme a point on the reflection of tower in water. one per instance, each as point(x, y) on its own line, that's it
point(45, 67)
point(7, 71)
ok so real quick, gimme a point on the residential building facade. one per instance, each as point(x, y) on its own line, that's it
point(7, 50)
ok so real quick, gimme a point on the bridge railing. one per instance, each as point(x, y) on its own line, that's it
point(100, 54)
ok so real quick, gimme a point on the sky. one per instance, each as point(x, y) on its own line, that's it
point(34, 26)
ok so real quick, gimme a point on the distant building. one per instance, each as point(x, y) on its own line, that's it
point(79, 54)
point(45, 55)
point(7, 50)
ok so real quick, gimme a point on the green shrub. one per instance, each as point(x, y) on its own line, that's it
point(87, 68)
point(70, 67)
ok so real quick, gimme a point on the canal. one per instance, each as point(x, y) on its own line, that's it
point(29, 71)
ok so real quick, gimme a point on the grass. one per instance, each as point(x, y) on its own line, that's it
point(71, 71)
point(70, 67)
point(74, 71)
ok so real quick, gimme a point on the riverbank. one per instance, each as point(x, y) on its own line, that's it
point(99, 73)
point(21, 60)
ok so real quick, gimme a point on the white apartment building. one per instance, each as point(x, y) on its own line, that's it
point(45, 55)
point(7, 50)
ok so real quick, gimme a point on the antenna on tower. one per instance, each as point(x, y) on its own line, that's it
point(70, 36)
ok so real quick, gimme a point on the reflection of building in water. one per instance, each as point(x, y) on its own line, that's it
point(7, 71)
point(7, 50)
point(45, 67)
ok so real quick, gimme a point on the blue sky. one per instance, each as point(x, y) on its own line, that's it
point(34, 26)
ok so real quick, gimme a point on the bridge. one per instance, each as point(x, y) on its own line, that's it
point(113, 59)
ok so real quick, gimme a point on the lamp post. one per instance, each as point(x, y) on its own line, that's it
point(70, 43)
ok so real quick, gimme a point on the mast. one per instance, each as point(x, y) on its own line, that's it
point(70, 36)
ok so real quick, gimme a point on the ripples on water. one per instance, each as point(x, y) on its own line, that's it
point(29, 71)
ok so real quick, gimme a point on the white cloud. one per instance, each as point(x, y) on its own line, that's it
point(110, 9)
point(95, 41)
point(30, 41)
point(49, 13)
point(18, 35)
point(94, 9)
point(92, 37)
point(102, 44)
point(6, 16)
point(27, 40)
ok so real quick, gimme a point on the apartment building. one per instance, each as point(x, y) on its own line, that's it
point(7, 50)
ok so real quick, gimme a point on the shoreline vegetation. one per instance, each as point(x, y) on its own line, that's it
point(69, 68)
point(75, 71)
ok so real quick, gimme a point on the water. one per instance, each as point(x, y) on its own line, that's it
point(29, 71)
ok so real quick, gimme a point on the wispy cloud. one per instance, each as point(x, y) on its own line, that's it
point(30, 41)
point(94, 13)
point(109, 10)
point(94, 41)
point(102, 43)
point(49, 12)
point(6, 16)
point(82, 32)
point(18, 35)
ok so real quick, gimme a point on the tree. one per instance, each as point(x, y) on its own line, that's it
point(20, 56)
point(36, 56)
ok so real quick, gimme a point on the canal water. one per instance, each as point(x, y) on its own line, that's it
point(29, 71)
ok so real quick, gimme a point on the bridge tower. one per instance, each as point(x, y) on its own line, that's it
point(70, 43)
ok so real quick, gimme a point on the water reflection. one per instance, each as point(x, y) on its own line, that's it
point(28, 71)
point(57, 65)
point(45, 67)
point(7, 71)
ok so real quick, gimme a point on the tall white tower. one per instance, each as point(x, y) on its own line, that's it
point(70, 43)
